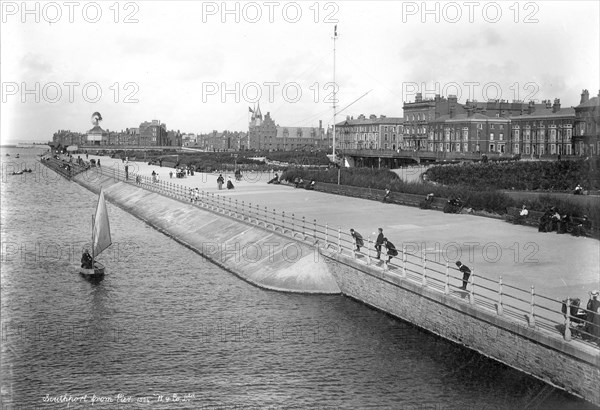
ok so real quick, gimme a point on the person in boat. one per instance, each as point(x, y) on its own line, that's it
point(86, 260)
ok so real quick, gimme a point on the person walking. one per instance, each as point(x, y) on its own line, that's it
point(358, 239)
point(220, 181)
point(466, 274)
point(391, 249)
point(379, 243)
point(593, 315)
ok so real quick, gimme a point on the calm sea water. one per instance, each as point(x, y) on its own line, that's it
point(166, 329)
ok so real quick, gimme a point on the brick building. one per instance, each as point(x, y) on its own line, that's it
point(370, 133)
point(586, 138)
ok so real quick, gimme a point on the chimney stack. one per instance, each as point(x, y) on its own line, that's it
point(585, 96)
point(419, 97)
point(452, 111)
point(548, 104)
point(531, 107)
point(556, 105)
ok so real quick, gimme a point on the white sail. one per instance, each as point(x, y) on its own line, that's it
point(101, 232)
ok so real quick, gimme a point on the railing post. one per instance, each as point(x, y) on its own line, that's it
point(568, 321)
point(369, 249)
point(326, 235)
point(339, 239)
point(424, 281)
point(236, 209)
point(229, 211)
point(499, 309)
point(283, 222)
point(266, 216)
point(303, 228)
point(315, 231)
point(447, 284)
point(274, 222)
point(293, 228)
point(531, 306)
point(472, 292)
point(243, 211)
point(403, 261)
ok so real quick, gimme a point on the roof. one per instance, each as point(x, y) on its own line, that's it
point(592, 102)
point(96, 130)
point(465, 117)
point(546, 113)
point(373, 121)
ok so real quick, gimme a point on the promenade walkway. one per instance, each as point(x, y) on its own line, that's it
point(557, 265)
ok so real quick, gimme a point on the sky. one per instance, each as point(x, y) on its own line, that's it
point(200, 66)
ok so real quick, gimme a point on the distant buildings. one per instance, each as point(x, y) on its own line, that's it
point(370, 133)
point(436, 125)
point(502, 127)
point(222, 141)
point(264, 134)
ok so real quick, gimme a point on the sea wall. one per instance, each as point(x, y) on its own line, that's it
point(572, 367)
point(259, 256)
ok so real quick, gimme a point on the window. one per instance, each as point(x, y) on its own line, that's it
point(491, 136)
point(479, 126)
point(491, 126)
point(516, 132)
point(501, 136)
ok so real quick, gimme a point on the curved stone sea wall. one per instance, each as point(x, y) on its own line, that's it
point(261, 257)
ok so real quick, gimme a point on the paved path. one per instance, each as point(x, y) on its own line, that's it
point(557, 265)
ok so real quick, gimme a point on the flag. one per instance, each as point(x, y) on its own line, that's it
point(251, 110)
point(335, 30)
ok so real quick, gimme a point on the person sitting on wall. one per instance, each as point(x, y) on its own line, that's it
point(274, 180)
point(578, 190)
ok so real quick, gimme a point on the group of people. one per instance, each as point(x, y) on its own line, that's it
point(391, 251)
point(453, 206)
point(299, 183)
point(221, 181)
point(554, 221)
point(587, 320)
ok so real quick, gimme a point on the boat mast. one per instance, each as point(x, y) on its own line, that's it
point(334, 89)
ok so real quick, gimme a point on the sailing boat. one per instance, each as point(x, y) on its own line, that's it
point(100, 237)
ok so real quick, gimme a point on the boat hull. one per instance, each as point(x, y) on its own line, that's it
point(97, 271)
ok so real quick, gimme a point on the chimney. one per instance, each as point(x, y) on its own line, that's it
point(469, 112)
point(347, 118)
point(585, 96)
point(419, 97)
point(531, 107)
point(548, 104)
point(452, 112)
point(320, 124)
point(452, 98)
point(556, 105)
